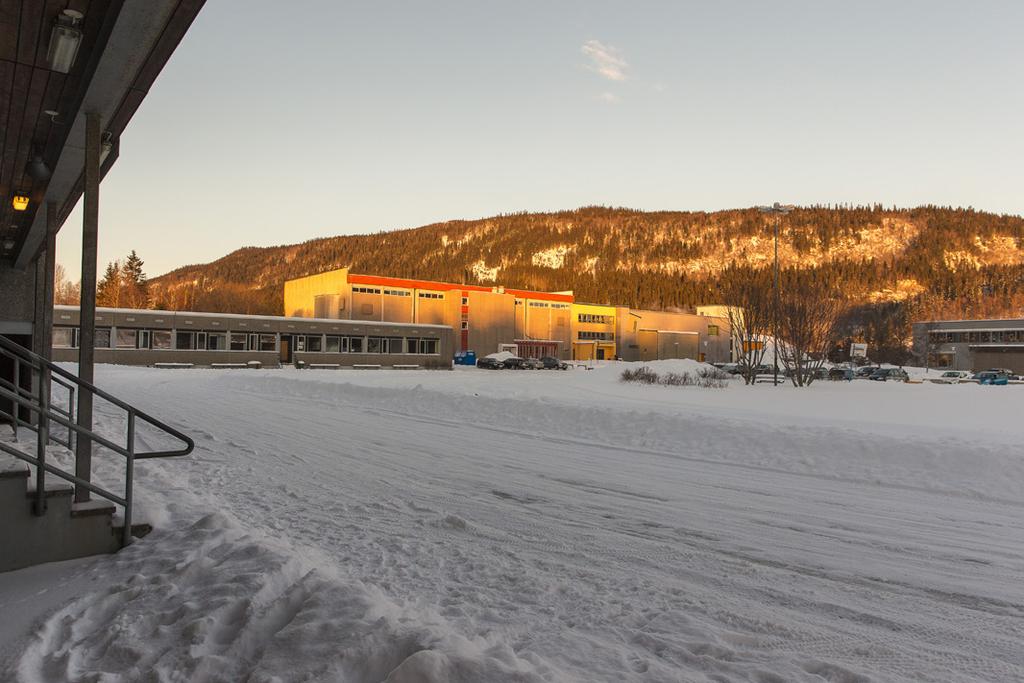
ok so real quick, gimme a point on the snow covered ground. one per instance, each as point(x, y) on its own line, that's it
point(548, 526)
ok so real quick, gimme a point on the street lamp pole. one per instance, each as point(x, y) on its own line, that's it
point(778, 210)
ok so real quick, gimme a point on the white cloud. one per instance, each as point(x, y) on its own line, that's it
point(609, 97)
point(605, 60)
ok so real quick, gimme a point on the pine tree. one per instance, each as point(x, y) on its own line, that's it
point(135, 283)
point(109, 289)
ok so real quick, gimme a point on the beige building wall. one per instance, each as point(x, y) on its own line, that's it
point(651, 335)
point(300, 294)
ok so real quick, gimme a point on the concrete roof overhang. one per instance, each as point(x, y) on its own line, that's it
point(125, 46)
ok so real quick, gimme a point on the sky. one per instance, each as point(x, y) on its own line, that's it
point(275, 123)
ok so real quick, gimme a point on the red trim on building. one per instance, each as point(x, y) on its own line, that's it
point(382, 281)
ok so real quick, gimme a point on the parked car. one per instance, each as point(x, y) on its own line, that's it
point(866, 371)
point(488, 363)
point(889, 375)
point(993, 378)
point(838, 374)
point(532, 364)
point(1010, 374)
point(515, 363)
point(552, 363)
point(952, 377)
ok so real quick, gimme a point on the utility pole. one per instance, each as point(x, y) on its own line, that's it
point(778, 210)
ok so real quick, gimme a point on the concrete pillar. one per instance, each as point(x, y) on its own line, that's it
point(87, 324)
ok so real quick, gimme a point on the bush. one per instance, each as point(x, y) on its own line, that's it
point(708, 378)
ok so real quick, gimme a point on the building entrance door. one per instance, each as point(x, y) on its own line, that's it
point(286, 348)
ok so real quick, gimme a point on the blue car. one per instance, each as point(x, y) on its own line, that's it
point(993, 378)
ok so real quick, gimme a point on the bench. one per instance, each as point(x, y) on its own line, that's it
point(229, 366)
point(405, 367)
point(324, 366)
point(359, 366)
point(171, 366)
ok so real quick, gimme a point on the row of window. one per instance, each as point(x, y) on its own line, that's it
point(596, 319)
point(978, 337)
point(206, 340)
point(397, 292)
point(430, 295)
point(602, 336)
point(366, 290)
point(315, 343)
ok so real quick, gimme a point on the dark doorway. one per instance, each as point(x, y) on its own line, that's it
point(7, 375)
point(286, 348)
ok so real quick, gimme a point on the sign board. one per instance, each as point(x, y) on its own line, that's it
point(858, 350)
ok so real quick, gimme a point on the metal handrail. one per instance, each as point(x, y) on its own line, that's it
point(40, 405)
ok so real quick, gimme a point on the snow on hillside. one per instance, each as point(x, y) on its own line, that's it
point(547, 526)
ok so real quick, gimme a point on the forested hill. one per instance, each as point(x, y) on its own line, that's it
point(892, 263)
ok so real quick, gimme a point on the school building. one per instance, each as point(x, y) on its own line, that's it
point(531, 324)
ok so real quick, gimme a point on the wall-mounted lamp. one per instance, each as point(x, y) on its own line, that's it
point(19, 202)
point(106, 147)
point(37, 168)
point(8, 244)
point(65, 38)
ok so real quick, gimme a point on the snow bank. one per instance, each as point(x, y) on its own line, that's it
point(215, 601)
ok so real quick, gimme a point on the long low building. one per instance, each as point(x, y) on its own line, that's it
point(528, 323)
point(150, 337)
point(971, 344)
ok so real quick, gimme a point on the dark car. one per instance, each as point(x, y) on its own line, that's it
point(515, 363)
point(489, 363)
point(839, 374)
point(865, 372)
point(889, 375)
point(532, 364)
point(552, 363)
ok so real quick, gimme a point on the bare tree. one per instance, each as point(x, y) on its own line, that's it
point(65, 292)
point(750, 323)
point(808, 327)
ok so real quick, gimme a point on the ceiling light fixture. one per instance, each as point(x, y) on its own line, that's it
point(65, 39)
point(37, 168)
point(8, 244)
point(19, 202)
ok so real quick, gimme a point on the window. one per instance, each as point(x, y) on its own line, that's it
point(161, 339)
point(216, 341)
point(268, 342)
point(539, 304)
point(101, 340)
point(374, 344)
point(366, 290)
point(596, 319)
point(300, 342)
point(239, 341)
point(428, 346)
point(65, 337)
point(397, 292)
point(465, 301)
point(601, 336)
point(314, 343)
point(127, 338)
point(143, 339)
point(396, 345)
point(355, 344)
point(465, 324)
point(431, 295)
point(332, 345)
point(184, 340)
point(713, 331)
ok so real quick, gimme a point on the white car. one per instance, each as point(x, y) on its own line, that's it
point(952, 377)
